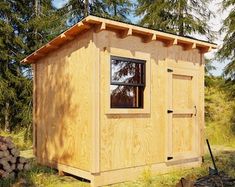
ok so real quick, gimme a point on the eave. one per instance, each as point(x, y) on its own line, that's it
point(123, 30)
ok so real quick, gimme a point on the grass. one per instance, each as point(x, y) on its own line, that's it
point(48, 177)
point(42, 176)
point(225, 160)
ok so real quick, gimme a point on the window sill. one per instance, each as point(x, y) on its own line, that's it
point(127, 111)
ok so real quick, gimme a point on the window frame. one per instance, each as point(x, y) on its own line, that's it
point(139, 85)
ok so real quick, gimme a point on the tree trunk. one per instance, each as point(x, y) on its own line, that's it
point(6, 117)
point(115, 8)
point(86, 11)
point(180, 19)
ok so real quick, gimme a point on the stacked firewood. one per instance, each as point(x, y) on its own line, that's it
point(11, 163)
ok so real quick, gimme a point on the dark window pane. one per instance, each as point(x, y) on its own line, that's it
point(124, 71)
point(127, 82)
point(126, 96)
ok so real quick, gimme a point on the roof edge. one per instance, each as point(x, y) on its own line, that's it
point(126, 29)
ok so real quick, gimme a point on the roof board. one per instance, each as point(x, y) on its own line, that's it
point(126, 29)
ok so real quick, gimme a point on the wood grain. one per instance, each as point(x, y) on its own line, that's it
point(76, 127)
point(64, 106)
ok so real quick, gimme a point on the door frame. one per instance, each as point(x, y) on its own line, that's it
point(193, 72)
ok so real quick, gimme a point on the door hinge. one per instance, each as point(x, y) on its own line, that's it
point(169, 158)
point(169, 70)
point(169, 111)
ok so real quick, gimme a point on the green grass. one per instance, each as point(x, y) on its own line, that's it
point(48, 177)
point(225, 160)
point(42, 176)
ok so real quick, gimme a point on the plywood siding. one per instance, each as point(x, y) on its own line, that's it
point(139, 138)
point(64, 92)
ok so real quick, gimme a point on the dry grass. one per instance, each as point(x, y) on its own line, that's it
point(19, 139)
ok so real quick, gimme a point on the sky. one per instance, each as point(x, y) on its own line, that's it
point(59, 3)
point(215, 23)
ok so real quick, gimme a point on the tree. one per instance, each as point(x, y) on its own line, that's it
point(209, 78)
point(11, 48)
point(75, 10)
point(182, 17)
point(24, 26)
point(117, 9)
point(42, 23)
point(227, 51)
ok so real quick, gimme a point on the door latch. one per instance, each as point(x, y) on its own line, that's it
point(169, 157)
point(169, 111)
point(169, 70)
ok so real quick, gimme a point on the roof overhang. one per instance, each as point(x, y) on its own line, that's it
point(123, 30)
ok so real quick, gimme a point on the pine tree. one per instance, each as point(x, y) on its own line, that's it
point(11, 48)
point(116, 9)
point(24, 26)
point(42, 23)
point(75, 10)
point(227, 52)
point(182, 17)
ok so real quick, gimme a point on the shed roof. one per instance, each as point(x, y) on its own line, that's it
point(123, 30)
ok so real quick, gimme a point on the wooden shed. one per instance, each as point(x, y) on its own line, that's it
point(112, 99)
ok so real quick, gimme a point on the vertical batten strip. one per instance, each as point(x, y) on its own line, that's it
point(202, 124)
point(175, 42)
point(95, 134)
point(170, 115)
point(34, 67)
point(100, 27)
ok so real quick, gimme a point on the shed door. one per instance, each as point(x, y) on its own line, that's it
point(182, 114)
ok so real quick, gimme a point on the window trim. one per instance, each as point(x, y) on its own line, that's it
point(141, 85)
point(105, 82)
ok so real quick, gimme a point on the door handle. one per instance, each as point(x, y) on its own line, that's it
point(195, 107)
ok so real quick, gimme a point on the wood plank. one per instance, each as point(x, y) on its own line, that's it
point(125, 33)
point(51, 46)
point(170, 115)
point(152, 37)
point(100, 27)
point(67, 37)
point(184, 119)
point(34, 68)
point(101, 22)
point(185, 111)
point(67, 169)
point(130, 174)
point(95, 153)
point(65, 113)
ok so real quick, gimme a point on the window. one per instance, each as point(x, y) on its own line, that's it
point(127, 83)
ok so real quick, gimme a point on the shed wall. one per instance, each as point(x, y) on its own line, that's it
point(128, 138)
point(63, 115)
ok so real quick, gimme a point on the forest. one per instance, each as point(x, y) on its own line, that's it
point(25, 25)
point(28, 24)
